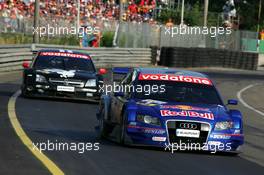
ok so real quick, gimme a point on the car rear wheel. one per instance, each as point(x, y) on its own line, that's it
point(24, 92)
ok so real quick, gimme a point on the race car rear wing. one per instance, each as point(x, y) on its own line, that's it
point(118, 73)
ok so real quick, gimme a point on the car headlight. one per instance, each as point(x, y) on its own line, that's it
point(223, 125)
point(40, 79)
point(149, 119)
point(91, 83)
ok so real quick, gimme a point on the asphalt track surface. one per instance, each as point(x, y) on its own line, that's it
point(74, 122)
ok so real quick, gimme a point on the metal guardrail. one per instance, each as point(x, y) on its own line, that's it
point(12, 56)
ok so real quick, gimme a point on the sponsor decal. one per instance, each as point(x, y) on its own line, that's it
point(72, 55)
point(159, 139)
point(183, 107)
point(148, 130)
point(220, 136)
point(154, 131)
point(66, 74)
point(225, 136)
point(177, 78)
point(62, 73)
point(65, 88)
point(149, 102)
point(169, 113)
point(187, 133)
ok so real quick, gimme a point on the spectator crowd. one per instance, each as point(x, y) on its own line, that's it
point(17, 15)
point(60, 9)
point(135, 10)
point(140, 12)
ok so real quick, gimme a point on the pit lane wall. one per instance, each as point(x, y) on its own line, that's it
point(208, 57)
point(12, 56)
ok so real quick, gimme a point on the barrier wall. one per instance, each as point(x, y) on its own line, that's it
point(261, 60)
point(207, 57)
point(12, 56)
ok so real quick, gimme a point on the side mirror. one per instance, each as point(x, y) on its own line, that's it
point(232, 102)
point(26, 64)
point(102, 71)
point(119, 94)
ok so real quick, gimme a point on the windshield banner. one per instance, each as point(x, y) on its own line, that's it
point(63, 54)
point(178, 78)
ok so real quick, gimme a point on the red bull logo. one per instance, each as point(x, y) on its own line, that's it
point(169, 113)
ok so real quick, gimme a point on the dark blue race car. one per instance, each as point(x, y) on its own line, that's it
point(169, 108)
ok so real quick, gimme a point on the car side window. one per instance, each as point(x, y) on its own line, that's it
point(34, 58)
point(129, 84)
point(127, 79)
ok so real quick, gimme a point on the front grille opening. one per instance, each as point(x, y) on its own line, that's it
point(67, 82)
point(185, 125)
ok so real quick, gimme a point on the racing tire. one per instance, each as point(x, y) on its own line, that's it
point(102, 125)
point(123, 130)
point(24, 93)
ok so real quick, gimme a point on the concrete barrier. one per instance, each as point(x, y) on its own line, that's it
point(261, 60)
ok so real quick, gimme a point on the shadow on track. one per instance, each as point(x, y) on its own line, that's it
point(108, 142)
point(58, 99)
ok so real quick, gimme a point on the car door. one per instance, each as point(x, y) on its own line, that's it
point(118, 102)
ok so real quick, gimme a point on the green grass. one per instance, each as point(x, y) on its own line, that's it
point(15, 38)
point(18, 38)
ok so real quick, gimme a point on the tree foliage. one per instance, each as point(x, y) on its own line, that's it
point(247, 10)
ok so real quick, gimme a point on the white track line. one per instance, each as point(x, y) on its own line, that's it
point(239, 96)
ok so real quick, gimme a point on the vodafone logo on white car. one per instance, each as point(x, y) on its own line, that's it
point(178, 78)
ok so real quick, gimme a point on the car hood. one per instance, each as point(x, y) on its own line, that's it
point(183, 111)
point(67, 74)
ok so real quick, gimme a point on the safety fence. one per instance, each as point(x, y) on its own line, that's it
point(135, 35)
point(12, 56)
point(25, 25)
point(144, 35)
point(207, 57)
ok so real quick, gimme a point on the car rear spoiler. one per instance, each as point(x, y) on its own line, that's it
point(118, 73)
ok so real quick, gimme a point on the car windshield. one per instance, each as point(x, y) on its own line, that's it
point(181, 92)
point(64, 63)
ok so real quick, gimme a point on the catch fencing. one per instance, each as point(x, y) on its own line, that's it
point(25, 25)
point(145, 35)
